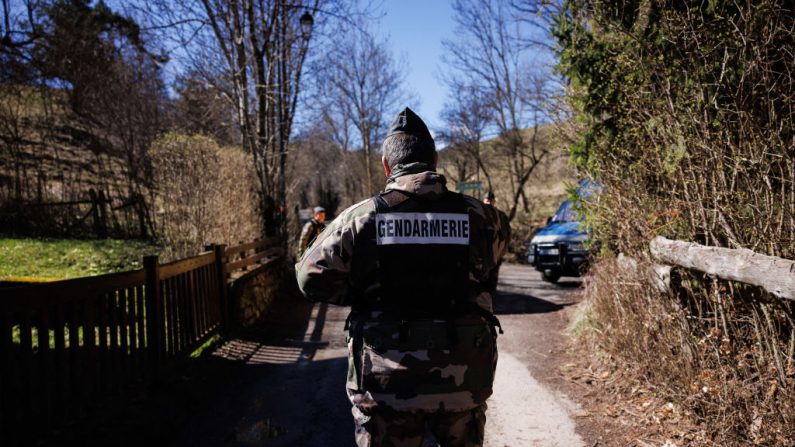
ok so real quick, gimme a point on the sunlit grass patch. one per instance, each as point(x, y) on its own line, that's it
point(35, 259)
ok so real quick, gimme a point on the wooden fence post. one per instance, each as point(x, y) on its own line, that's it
point(223, 289)
point(154, 313)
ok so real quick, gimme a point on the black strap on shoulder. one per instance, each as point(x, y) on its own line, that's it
point(390, 199)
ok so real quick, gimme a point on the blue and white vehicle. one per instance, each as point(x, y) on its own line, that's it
point(559, 249)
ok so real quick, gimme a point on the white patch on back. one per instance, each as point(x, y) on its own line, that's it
point(422, 228)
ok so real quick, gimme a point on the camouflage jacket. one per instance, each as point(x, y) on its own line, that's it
point(423, 372)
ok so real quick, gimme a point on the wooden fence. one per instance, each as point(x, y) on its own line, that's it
point(774, 274)
point(67, 346)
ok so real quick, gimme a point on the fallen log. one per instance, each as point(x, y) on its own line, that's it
point(774, 274)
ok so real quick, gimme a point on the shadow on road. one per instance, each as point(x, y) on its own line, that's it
point(569, 284)
point(506, 303)
point(272, 405)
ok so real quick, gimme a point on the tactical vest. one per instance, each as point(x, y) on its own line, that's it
point(422, 251)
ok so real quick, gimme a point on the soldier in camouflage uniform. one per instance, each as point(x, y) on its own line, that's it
point(413, 263)
point(312, 229)
point(505, 233)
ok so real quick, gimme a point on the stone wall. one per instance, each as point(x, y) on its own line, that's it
point(254, 292)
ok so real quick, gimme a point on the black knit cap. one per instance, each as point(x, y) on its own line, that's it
point(408, 122)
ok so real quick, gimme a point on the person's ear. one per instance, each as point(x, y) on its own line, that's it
point(387, 169)
point(435, 159)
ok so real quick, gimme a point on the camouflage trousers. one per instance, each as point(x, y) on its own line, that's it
point(391, 428)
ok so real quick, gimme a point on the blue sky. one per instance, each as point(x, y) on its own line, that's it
point(415, 30)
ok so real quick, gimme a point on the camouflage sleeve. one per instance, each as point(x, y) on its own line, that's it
point(488, 252)
point(505, 229)
point(303, 241)
point(324, 271)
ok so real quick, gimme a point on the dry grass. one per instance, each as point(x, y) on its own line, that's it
point(712, 363)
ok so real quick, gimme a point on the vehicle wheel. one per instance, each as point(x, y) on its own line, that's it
point(550, 276)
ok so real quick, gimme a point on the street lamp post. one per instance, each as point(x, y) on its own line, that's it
point(307, 22)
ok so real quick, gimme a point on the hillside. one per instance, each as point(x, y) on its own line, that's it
point(544, 191)
point(56, 168)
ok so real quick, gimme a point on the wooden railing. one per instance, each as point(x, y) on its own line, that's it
point(67, 345)
point(774, 274)
point(245, 259)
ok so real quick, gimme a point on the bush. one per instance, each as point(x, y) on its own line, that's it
point(205, 194)
point(690, 133)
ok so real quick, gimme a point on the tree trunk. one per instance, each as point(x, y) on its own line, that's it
point(367, 163)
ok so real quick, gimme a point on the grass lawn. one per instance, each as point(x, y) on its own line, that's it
point(50, 259)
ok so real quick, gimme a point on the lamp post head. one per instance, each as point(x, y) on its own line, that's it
point(307, 22)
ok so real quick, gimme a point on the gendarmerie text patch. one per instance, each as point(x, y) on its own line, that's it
point(422, 228)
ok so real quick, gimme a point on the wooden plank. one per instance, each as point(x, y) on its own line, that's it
point(171, 319)
point(35, 296)
point(210, 290)
point(221, 286)
point(76, 356)
point(124, 345)
point(261, 266)
point(26, 371)
point(271, 252)
point(190, 306)
point(211, 300)
point(7, 376)
point(44, 394)
point(186, 306)
point(61, 369)
point(132, 343)
point(201, 280)
point(140, 310)
point(218, 304)
point(165, 290)
point(154, 315)
point(201, 291)
point(255, 245)
point(179, 301)
point(774, 274)
point(115, 345)
point(103, 348)
point(183, 265)
point(91, 332)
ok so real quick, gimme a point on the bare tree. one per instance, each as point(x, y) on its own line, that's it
point(467, 119)
point(359, 83)
point(262, 46)
point(491, 56)
point(539, 16)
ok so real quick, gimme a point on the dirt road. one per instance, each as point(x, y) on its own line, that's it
point(291, 391)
